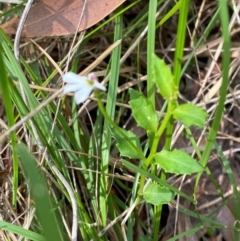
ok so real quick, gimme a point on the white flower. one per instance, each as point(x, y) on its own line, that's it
point(81, 85)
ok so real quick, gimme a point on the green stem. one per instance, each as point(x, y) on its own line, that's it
point(193, 142)
point(181, 36)
point(141, 155)
point(223, 91)
point(151, 50)
point(107, 117)
point(148, 161)
point(158, 136)
point(168, 120)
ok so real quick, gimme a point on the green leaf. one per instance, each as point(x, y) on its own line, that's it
point(190, 115)
point(144, 238)
point(27, 234)
point(163, 78)
point(143, 111)
point(178, 162)
point(157, 195)
point(40, 193)
point(5, 90)
point(125, 148)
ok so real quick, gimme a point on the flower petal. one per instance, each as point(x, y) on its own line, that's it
point(92, 77)
point(82, 94)
point(97, 85)
point(73, 78)
point(72, 88)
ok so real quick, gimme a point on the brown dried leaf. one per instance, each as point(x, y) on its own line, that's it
point(61, 17)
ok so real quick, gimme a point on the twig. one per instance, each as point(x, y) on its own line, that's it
point(20, 28)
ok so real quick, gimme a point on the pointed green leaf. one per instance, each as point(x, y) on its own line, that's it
point(143, 111)
point(178, 162)
point(190, 115)
point(125, 148)
point(163, 78)
point(40, 193)
point(157, 195)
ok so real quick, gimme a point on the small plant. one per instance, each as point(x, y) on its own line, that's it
point(177, 162)
point(170, 161)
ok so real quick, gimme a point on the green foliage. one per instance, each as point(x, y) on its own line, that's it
point(163, 78)
point(157, 194)
point(125, 148)
point(90, 149)
point(190, 115)
point(5, 91)
point(143, 111)
point(144, 238)
point(40, 194)
point(21, 231)
point(177, 162)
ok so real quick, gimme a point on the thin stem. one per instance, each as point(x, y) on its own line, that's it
point(16, 53)
point(158, 136)
point(107, 117)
